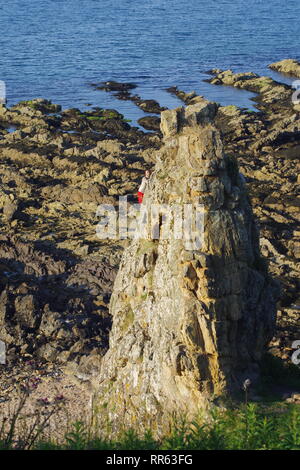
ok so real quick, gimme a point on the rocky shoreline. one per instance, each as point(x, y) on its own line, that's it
point(57, 166)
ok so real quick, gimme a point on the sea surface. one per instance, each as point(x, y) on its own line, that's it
point(55, 49)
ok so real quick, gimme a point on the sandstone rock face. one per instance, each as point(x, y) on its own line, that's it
point(191, 318)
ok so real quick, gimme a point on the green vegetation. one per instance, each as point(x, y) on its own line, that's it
point(249, 427)
point(232, 107)
point(94, 118)
point(107, 114)
point(104, 116)
point(113, 115)
point(238, 423)
point(30, 103)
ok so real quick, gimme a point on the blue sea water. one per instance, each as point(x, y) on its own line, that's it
point(54, 49)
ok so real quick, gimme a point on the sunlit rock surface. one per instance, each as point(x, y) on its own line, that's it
point(191, 317)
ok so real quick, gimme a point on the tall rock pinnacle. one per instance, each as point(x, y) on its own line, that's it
point(191, 315)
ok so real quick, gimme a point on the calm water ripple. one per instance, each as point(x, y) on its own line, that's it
point(54, 49)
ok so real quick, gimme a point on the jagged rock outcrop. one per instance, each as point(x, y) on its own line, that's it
point(191, 317)
point(289, 66)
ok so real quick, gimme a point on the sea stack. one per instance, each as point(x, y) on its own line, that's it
point(191, 316)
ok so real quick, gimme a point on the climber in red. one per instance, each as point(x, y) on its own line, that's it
point(144, 185)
